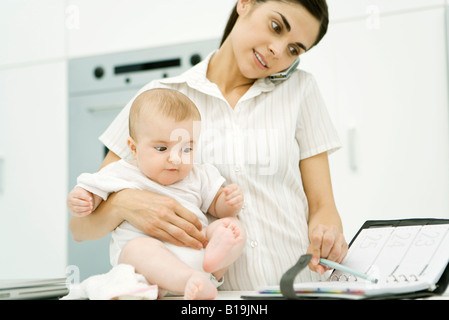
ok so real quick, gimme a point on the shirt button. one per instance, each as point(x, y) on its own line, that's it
point(253, 243)
point(237, 169)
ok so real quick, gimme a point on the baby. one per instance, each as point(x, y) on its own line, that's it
point(164, 130)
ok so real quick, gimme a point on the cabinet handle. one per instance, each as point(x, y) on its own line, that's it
point(2, 174)
point(352, 137)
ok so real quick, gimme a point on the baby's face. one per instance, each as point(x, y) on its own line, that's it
point(165, 148)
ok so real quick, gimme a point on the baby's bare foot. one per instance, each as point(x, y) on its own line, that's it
point(199, 287)
point(225, 237)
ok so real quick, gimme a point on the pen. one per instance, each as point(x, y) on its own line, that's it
point(335, 265)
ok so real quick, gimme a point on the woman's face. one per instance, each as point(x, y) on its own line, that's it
point(269, 36)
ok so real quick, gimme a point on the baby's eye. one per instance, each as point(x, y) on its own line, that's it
point(161, 149)
point(187, 150)
point(276, 27)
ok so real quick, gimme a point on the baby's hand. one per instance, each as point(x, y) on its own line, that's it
point(233, 196)
point(80, 202)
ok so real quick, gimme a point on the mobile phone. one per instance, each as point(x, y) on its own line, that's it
point(284, 75)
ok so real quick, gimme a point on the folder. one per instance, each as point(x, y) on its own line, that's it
point(410, 257)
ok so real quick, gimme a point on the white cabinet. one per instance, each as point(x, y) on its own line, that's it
point(104, 26)
point(350, 9)
point(33, 218)
point(31, 31)
point(3, 137)
point(387, 89)
point(33, 139)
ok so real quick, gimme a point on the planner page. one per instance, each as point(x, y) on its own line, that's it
point(404, 259)
point(403, 254)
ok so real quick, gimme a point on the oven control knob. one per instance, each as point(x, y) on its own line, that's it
point(194, 59)
point(98, 72)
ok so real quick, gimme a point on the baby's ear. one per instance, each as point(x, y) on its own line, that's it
point(132, 147)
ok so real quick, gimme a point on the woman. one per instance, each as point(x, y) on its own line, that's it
point(272, 139)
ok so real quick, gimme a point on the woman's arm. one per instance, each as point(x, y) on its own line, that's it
point(156, 215)
point(325, 227)
point(100, 222)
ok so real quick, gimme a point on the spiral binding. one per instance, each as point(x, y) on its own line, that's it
point(402, 278)
point(344, 277)
point(390, 279)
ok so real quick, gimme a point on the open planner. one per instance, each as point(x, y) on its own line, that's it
point(410, 259)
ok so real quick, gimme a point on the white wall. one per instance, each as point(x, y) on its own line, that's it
point(37, 37)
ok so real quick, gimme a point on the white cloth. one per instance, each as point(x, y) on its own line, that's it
point(195, 192)
point(121, 282)
point(257, 145)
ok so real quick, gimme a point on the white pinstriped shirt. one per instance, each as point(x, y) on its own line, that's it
point(257, 145)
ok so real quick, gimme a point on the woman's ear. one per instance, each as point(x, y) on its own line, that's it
point(132, 147)
point(243, 6)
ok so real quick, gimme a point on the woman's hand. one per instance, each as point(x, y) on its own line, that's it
point(326, 242)
point(158, 216)
point(161, 217)
point(325, 227)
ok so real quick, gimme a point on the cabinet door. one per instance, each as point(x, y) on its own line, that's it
point(3, 135)
point(103, 26)
point(390, 92)
point(344, 9)
point(33, 221)
point(31, 31)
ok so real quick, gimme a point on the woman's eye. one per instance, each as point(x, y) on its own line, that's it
point(293, 51)
point(160, 148)
point(276, 27)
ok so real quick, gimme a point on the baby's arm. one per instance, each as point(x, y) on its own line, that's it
point(228, 202)
point(82, 202)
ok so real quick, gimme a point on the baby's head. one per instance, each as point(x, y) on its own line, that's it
point(164, 127)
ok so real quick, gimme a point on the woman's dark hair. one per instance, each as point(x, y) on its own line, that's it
point(317, 8)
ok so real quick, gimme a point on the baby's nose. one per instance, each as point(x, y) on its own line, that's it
point(174, 158)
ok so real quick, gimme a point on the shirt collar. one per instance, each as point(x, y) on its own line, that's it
point(196, 78)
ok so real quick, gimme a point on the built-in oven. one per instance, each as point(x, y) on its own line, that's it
point(99, 87)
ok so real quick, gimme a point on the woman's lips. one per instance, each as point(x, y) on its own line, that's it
point(260, 60)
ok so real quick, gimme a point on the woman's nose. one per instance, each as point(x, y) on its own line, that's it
point(275, 48)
